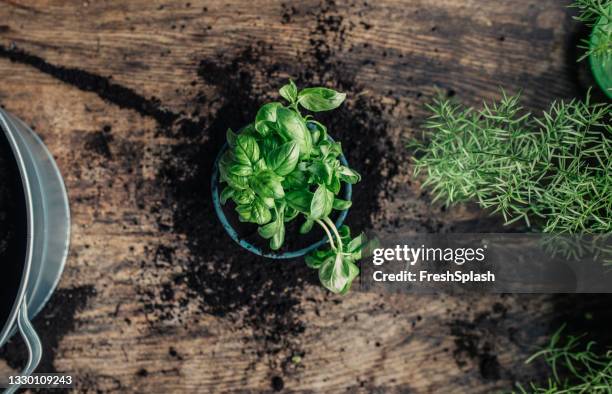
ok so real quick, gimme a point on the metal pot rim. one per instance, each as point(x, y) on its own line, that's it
point(48, 234)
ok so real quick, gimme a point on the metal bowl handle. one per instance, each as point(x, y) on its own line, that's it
point(31, 340)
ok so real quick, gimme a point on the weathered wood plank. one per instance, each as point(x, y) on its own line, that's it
point(132, 97)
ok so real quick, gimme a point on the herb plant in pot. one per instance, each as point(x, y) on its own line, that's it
point(283, 169)
point(598, 48)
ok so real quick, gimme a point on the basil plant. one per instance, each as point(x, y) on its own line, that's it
point(282, 167)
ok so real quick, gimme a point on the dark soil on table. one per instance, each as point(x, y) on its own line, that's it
point(227, 281)
point(12, 229)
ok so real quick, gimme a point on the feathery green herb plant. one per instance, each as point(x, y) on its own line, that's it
point(555, 169)
point(597, 14)
point(586, 371)
point(283, 165)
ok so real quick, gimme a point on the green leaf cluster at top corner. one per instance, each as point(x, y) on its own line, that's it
point(283, 165)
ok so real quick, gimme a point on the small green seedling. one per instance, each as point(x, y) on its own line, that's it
point(283, 165)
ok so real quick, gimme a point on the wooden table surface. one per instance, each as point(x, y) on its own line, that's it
point(132, 98)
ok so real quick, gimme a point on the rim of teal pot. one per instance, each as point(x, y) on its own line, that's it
point(600, 71)
point(348, 192)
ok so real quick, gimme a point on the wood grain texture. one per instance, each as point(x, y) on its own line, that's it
point(111, 152)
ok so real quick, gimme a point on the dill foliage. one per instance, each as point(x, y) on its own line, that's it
point(554, 170)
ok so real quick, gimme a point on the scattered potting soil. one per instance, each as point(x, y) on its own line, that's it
point(229, 282)
point(12, 229)
point(98, 142)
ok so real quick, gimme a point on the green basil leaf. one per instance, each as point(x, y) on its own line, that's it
point(324, 148)
point(277, 225)
point(260, 165)
point(353, 271)
point(270, 143)
point(249, 130)
point(267, 184)
point(243, 197)
point(283, 159)
point(320, 99)
point(279, 237)
point(299, 200)
point(261, 213)
point(256, 212)
point(322, 172)
point(313, 262)
point(345, 234)
point(237, 182)
point(316, 258)
point(289, 92)
point(240, 169)
point(328, 172)
point(318, 131)
point(292, 127)
point(226, 194)
point(335, 149)
point(337, 273)
point(341, 205)
point(295, 180)
point(264, 127)
point(244, 212)
point(231, 138)
point(267, 231)
point(330, 151)
point(290, 214)
point(268, 201)
point(322, 202)
point(246, 150)
point(227, 159)
point(266, 118)
point(356, 246)
point(334, 185)
point(348, 175)
point(306, 226)
point(268, 112)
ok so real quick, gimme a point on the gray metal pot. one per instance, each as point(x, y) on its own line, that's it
point(48, 229)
